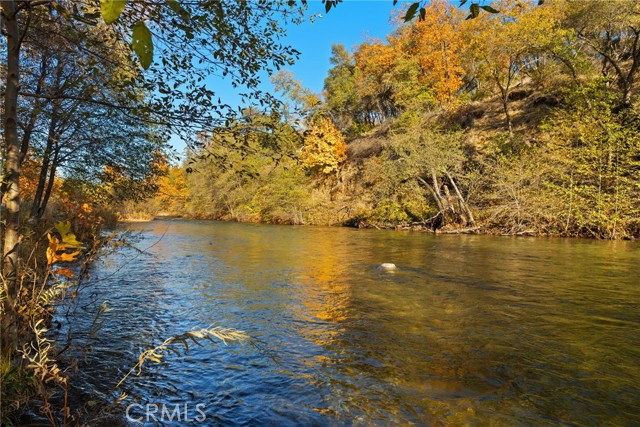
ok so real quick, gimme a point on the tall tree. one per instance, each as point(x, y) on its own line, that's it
point(375, 63)
point(510, 44)
point(434, 43)
point(192, 43)
point(12, 164)
point(340, 90)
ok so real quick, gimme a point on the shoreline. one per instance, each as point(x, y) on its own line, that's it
point(418, 227)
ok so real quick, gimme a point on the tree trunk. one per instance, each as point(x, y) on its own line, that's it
point(626, 95)
point(447, 196)
point(52, 177)
point(463, 205)
point(433, 193)
point(436, 191)
point(507, 115)
point(42, 179)
point(12, 168)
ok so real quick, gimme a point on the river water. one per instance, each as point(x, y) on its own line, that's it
point(469, 331)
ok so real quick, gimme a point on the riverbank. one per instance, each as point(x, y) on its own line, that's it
point(56, 252)
point(420, 227)
point(563, 170)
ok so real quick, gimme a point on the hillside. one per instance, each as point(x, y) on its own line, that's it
point(525, 122)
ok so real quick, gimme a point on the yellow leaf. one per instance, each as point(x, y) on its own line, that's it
point(52, 249)
point(68, 257)
point(69, 242)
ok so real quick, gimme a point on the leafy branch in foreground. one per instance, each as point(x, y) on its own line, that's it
point(156, 354)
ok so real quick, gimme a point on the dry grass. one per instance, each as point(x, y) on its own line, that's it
point(136, 217)
point(157, 354)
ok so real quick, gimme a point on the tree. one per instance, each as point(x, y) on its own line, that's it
point(324, 147)
point(611, 30)
point(510, 44)
point(193, 41)
point(340, 91)
point(69, 132)
point(595, 152)
point(302, 102)
point(13, 163)
point(248, 173)
point(434, 42)
point(434, 159)
point(375, 65)
point(418, 68)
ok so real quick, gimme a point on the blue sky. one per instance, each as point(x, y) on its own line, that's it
point(350, 23)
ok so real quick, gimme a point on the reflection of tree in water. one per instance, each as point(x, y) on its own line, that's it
point(468, 331)
point(439, 346)
point(394, 353)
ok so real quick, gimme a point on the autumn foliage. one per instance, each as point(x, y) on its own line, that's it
point(419, 66)
point(434, 44)
point(523, 121)
point(324, 147)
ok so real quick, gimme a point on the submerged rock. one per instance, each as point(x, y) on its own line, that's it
point(387, 266)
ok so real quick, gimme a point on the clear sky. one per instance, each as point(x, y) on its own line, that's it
point(350, 23)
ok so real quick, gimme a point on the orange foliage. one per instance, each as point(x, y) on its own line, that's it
point(432, 47)
point(172, 186)
point(57, 250)
point(29, 179)
point(435, 44)
point(375, 58)
point(375, 66)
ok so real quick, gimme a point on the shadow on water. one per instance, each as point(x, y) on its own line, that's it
point(470, 330)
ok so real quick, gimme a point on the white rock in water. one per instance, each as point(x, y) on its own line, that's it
point(387, 266)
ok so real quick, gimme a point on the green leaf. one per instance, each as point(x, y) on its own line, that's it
point(490, 9)
point(179, 10)
point(411, 12)
point(423, 13)
point(63, 228)
point(462, 2)
point(475, 11)
point(474, 8)
point(111, 9)
point(142, 44)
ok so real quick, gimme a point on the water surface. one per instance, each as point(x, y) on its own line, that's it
point(469, 331)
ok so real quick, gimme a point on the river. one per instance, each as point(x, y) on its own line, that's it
point(469, 331)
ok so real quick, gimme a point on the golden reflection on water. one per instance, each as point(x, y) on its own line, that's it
point(470, 330)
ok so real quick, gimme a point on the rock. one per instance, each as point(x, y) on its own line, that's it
point(387, 266)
